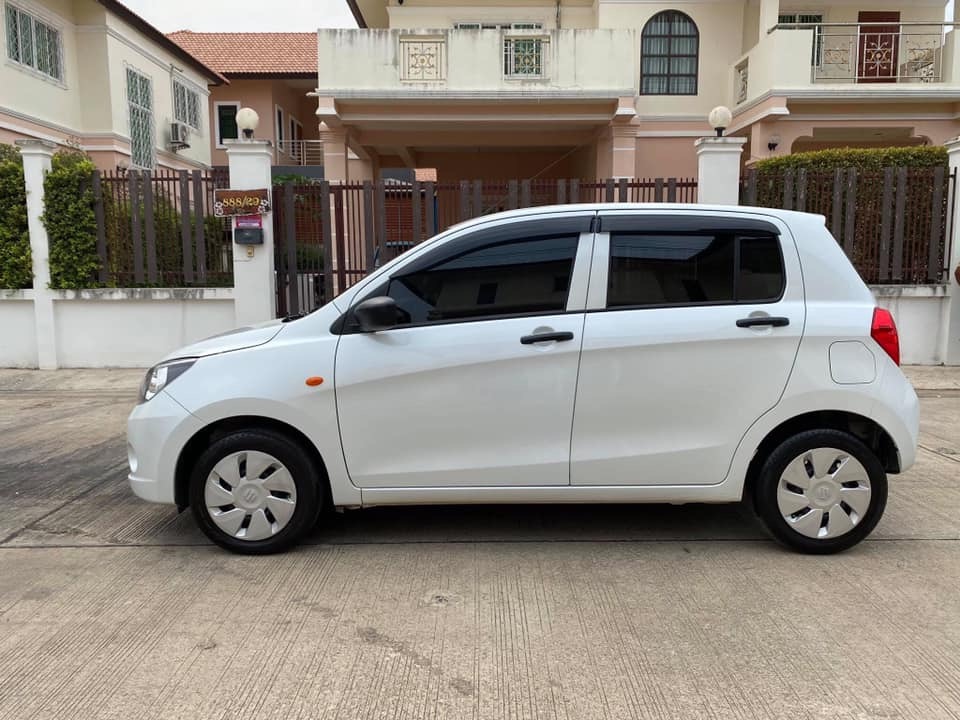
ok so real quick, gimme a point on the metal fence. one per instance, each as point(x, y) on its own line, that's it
point(329, 235)
point(157, 229)
point(891, 223)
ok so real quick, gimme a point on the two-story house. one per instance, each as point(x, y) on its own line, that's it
point(273, 73)
point(94, 75)
point(615, 88)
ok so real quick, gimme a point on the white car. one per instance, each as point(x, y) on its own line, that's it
point(571, 354)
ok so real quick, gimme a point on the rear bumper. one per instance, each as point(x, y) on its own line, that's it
point(157, 431)
point(898, 411)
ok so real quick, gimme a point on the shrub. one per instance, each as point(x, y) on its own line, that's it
point(860, 158)
point(15, 263)
point(71, 225)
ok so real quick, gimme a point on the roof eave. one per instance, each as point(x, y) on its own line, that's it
point(153, 33)
point(357, 15)
point(304, 75)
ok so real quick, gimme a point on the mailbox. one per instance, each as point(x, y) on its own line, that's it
point(248, 230)
point(248, 236)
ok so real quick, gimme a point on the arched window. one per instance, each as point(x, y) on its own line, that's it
point(669, 48)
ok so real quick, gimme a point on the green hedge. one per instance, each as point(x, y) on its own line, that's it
point(70, 221)
point(15, 264)
point(860, 158)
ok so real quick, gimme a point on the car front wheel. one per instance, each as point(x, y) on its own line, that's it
point(255, 492)
point(821, 491)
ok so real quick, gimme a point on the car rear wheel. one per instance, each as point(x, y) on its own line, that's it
point(821, 491)
point(255, 492)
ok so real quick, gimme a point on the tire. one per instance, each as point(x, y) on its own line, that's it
point(255, 492)
point(843, 499)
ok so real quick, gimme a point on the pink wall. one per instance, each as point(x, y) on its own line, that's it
point(263, 96)
point(666, 157)
point(502, 164)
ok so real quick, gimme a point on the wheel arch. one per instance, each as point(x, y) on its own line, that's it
point(865, 429)
point(209, 434)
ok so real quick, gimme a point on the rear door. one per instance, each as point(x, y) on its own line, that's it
point(693, 324)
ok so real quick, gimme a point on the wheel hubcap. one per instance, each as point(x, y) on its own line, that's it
point(824, 493)
point(250, 495)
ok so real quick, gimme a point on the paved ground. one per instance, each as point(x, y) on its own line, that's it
point(114, 608)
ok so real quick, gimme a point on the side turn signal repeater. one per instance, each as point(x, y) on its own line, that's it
point(314, 381)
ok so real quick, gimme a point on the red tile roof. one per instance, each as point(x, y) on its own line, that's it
point(285, 54)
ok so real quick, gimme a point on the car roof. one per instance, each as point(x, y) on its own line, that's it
point(785, 215)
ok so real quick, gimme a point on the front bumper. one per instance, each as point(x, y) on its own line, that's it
point(157, 431)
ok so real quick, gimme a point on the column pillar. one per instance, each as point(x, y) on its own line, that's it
point(335, 151)
point(950, 349)
point(37, 159)
point(718, 162)
point(624, 152)
point(769, 15)
point(604, 156)
point(254, 278)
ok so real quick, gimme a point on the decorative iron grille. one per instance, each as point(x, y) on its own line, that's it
point(743, 79)
point(33, 44)
point(186, 104)
point(423, 59)
point(140, 105)
point(523, 57)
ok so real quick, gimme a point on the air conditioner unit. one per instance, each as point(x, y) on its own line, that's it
point(179, 136)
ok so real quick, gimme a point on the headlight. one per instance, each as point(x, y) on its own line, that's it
point(159, 376)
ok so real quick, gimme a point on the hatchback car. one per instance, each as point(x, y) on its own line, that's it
point(570, 354)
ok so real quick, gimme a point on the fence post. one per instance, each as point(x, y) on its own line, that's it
point(254, 279)
point(37, 156)
point(950, 350)
point(718, 160)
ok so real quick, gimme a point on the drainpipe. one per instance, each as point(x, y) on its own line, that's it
point(558, 14)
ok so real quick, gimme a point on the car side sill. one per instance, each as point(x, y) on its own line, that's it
point(677, 494)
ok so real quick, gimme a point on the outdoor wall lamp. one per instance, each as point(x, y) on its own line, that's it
point(720, 118)
point(772, 142)
point(247, 121)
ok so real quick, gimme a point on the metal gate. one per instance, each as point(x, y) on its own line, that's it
point(329, 235)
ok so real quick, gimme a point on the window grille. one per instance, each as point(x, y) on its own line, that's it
point(140, 105)
point(33, 43)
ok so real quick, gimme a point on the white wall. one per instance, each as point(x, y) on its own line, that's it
point(31, 94)
point(921, 316)
point(114, 327)
point(91, 102)
point(18, 347)
point(126, 47)
point(577, 61)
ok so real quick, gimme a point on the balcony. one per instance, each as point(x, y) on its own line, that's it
point(300, 152)
point(810, 59)
point(450, 62)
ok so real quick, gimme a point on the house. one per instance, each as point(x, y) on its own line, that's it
point(271, 73)
point(615, 88)
point(93, 75)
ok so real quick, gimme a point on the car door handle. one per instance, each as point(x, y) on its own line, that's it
point(546, 337)
point(749, 322)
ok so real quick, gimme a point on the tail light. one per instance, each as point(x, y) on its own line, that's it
point(884, 331)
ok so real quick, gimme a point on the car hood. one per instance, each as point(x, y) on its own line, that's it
point(239, 339)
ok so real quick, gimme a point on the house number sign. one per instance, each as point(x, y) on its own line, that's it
point(227, 203)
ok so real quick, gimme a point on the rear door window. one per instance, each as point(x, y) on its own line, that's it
point(658, 269)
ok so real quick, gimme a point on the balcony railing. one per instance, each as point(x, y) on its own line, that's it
point(875, 52)
point(301, 152)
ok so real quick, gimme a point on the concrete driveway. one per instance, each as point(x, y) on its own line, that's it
point(114, 608)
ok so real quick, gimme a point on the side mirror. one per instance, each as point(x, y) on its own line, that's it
point(377, 313)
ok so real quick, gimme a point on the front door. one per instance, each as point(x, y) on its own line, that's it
point(693, 341)
point(476, 386)
point(879, 47)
